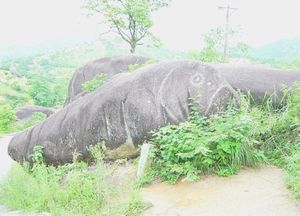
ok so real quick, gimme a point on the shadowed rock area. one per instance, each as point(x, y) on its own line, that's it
point(124, 111)
point(27, 112)
point(260, 81)
point(110, 66)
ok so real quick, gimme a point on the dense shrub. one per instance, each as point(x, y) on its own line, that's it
point(221, 144)
point(41, 93)
point(7, 117)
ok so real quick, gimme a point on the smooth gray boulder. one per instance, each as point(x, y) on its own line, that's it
point(261, 81)
point(109, 65)
point(27, 112)
point(124, 111)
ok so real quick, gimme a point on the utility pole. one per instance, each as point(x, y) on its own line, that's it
point(228, 10)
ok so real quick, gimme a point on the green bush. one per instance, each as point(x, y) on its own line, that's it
point(68, 190)
point(95, 83)
point(7, 117)
point(222, 144)
point(41, 92)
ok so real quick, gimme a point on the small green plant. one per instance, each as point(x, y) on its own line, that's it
point(38, 155)
point(95, 83)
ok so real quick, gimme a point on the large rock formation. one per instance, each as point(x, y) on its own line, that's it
point(261, 81)
point(25, 113)
point(110, 66)
point(124, 111)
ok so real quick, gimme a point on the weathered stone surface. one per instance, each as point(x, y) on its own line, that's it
point(110, 66)
point(261, 81)
point(124, 111)
point(27, 112)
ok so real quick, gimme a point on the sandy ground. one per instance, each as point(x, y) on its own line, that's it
point(253, 192)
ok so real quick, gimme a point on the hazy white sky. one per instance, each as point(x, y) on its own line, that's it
point(179, 26)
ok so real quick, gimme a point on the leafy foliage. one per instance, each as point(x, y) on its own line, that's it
point(7, 117)
point(130, 19)
point(222, 144)
point(42, 93)
point(214, 44)
point(95, 83)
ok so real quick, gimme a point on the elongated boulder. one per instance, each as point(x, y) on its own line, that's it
point(123, 112)
point(27, 112)
point(110, 66)
point(262, 82)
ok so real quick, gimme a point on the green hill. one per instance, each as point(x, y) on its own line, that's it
point(13, 90)
point(283, 50)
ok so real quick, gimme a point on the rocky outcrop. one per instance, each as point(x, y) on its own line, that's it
point(25, 113)
point(110, 66)
point(123, 112)
point(262, 82)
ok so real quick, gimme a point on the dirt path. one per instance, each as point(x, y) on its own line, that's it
point(251, 193)
point(5, 160)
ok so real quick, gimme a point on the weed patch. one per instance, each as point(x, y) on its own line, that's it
point(68, 190)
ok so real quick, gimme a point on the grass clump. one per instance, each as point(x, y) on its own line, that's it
point(68, 190)
point(95, 83)
point(293, 173)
